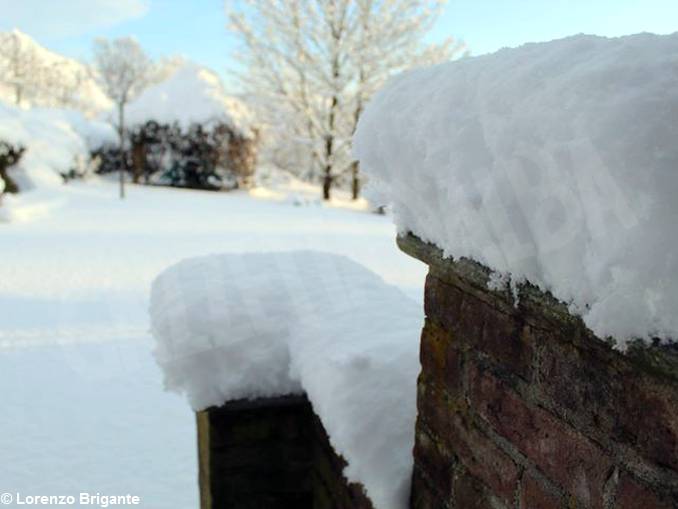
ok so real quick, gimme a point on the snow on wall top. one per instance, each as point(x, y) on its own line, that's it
point(554, 162)
point(267, 324)
point(192, 94)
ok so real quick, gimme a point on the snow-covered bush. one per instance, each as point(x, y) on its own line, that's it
point(185, 131)
point(58, 144)
point(9, 156)
point(555, 163)
point(198, 156)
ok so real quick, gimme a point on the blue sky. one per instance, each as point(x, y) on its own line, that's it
point(196, 28)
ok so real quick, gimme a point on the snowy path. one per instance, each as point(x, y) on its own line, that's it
point(83, 407)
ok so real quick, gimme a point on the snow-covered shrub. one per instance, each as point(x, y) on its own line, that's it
point(58, 143)
point(9, 156)
point(196, 156)
point(185, 131)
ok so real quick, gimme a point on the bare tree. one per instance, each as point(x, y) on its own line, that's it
point(312, 64)
point(122, 70)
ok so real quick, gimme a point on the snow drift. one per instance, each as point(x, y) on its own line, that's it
point(266, 324)
point(553, 162)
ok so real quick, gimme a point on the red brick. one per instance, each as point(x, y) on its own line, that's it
point(433, 406)
point(580, 382)
point(647, 420)
point(602, 390)
point(502, 336)
point(423, 495)
point(633, 495)
point(432, 464)
point(534, 496)
point(482, 458)
point(478, 325)
point(442, 302)
point(565, 456)
point(469, 493)
point(441, 358)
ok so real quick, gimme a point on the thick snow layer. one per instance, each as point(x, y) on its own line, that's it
point(554, 162)
point(55, 140)
point(264, 324)
point(192, 94)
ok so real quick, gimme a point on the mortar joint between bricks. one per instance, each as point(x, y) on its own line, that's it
point(521, 460)
point(610, 488)
point(465, 382)
point(519, 488)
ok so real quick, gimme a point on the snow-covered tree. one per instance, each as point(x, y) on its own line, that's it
point(31, 75)
point(123, 70)
point(310, 65)
point(165, 68)
point(19, 66)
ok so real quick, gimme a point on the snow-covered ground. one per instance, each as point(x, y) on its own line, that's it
point(83, 403)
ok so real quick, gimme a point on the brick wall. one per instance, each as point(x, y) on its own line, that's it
point(520, 406)
point(271, 453)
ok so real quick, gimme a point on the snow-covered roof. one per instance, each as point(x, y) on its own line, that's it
point(554, 162)
point(192, 94)
point(267, 324)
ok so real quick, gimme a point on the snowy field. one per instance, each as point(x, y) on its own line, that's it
point(83, 404)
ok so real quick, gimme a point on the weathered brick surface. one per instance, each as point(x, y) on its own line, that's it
point(478, 324)
point(483, 459)
point(648, 420)
point(633, 495)
point(441, 358)
point(604, 394)
point(435, 467)
point(271, 453)
point(580, 383)
point(533, 495)
point(528, 409)
point(426, 494)
point(434, 407)
point(559, 451)
point(470, 493)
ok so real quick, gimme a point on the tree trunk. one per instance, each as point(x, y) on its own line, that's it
point(327, 183)
point(121, 133)
point(138, 161)
point(355, 181)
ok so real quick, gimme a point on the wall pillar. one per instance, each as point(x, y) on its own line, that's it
point(271, 453)
point(521, 406)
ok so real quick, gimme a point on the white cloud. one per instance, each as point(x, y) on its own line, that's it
point(51, 18)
